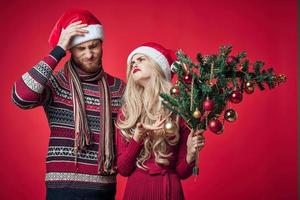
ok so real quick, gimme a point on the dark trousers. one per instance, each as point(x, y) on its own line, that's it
point(79, 194)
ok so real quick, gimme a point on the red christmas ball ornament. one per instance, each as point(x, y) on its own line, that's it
point(215, 126)
point(208, 105)
point(221, 91)
point(188, 79)
point(231, 60)
point(236, 97)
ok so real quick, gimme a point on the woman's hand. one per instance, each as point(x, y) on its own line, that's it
point(195, 143)
point(142, 130)
point(71, 31)
point(139, 132)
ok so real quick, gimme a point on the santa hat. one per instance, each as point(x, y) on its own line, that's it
point(94, 28)
point(164, 57)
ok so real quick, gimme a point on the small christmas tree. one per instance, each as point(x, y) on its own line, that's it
point(204, 91)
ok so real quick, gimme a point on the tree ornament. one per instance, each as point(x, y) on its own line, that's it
point(208, 104)
point(215, 126)
point(221, 91)
point(236, 96)
point(249, 87)
point(281, 78)
point(197, 114)
point(231, 60)
point(174, 91)
point(188, 78)
point(170, 127)
point(230, 115)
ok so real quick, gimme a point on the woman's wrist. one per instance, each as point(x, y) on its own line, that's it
point(137, 138)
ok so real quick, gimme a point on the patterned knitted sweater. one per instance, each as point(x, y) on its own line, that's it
point(41, 87)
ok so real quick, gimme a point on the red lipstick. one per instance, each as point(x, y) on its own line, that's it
point(135, 70)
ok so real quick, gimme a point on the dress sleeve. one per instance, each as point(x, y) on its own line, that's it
point(183, 169)
point(127, 153)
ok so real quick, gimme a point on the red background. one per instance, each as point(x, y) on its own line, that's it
point(256, 157)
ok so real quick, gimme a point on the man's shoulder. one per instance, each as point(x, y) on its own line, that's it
point(113, 80)
point(117, 86)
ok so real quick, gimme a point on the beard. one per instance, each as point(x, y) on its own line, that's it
point(89, 66)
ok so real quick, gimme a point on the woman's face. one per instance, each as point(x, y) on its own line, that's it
point(141, 69)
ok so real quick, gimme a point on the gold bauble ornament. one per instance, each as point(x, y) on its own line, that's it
point(197, 114)
point(174, 91)
point(170, 127)
point(249, 87)
point(249, 84)
point(230, 115)
point(281, 78)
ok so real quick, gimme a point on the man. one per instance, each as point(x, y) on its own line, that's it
point(81, 103)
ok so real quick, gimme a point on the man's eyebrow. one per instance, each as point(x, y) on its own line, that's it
point(95, 43)
point(80, 47)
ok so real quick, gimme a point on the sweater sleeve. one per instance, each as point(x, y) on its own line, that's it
point(32, 89)
point(183, 169)
point(127, 153)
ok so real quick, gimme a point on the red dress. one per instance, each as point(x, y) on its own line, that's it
point(158, 182)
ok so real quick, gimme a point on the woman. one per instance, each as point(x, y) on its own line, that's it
point(153, 158)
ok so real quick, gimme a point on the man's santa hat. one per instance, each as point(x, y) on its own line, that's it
point(164, 57)
point(94, 28)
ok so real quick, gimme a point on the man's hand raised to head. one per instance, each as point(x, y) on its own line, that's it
point(72, 30)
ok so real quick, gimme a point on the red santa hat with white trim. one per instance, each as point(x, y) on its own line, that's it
point(94, 28)
point(164, 57)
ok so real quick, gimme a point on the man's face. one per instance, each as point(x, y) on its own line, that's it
point(88, 55)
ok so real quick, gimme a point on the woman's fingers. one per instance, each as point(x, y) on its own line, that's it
point(151, 127)
point(157, 125)
point(199, 132)
point(139, 125)
point(198, 141)
point(198, 145)
point(160, 121)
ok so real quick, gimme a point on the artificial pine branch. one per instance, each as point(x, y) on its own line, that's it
point(215, 77)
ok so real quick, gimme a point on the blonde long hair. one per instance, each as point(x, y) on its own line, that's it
point(144, 105)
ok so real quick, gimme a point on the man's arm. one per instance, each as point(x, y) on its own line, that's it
point(32, 88)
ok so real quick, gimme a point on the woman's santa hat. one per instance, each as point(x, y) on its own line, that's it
point(164, 57)
point(94, 28)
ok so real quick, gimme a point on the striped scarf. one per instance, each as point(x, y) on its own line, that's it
point(83, 133)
